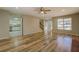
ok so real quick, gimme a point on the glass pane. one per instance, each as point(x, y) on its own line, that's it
point(60, 24)
point(15, 26)
point(67, 24)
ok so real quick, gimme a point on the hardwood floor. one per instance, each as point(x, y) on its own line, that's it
point(38, 43)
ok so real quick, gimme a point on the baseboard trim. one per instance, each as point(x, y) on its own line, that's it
point(32, 33)
point(4, 38)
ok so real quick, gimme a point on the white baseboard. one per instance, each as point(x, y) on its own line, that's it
point(31, 33)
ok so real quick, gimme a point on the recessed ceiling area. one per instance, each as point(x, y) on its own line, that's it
point(34, 11)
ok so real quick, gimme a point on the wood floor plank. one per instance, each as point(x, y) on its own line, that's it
point(37, 43)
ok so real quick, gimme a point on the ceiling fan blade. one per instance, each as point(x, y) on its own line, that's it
point(43, 10)
point(47, 10)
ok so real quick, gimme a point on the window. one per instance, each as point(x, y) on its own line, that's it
point(15, 28)
point(60, 23)
point(64, 24)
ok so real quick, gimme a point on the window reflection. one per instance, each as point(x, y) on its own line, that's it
point(63, 43)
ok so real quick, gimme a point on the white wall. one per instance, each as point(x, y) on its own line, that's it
point(30, 25)
point(75, 23)
point(4, 25)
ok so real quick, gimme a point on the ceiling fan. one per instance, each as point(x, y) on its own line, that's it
point(44, 10)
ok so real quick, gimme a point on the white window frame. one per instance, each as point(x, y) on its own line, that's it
point(63, 26)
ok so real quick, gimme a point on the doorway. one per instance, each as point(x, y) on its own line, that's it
point(48, 29)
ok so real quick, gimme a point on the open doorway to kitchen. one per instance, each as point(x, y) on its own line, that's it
point(16, 27)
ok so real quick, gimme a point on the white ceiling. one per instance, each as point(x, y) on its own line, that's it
point(34, 11)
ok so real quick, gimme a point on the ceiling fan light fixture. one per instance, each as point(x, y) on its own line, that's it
point(42, 12)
